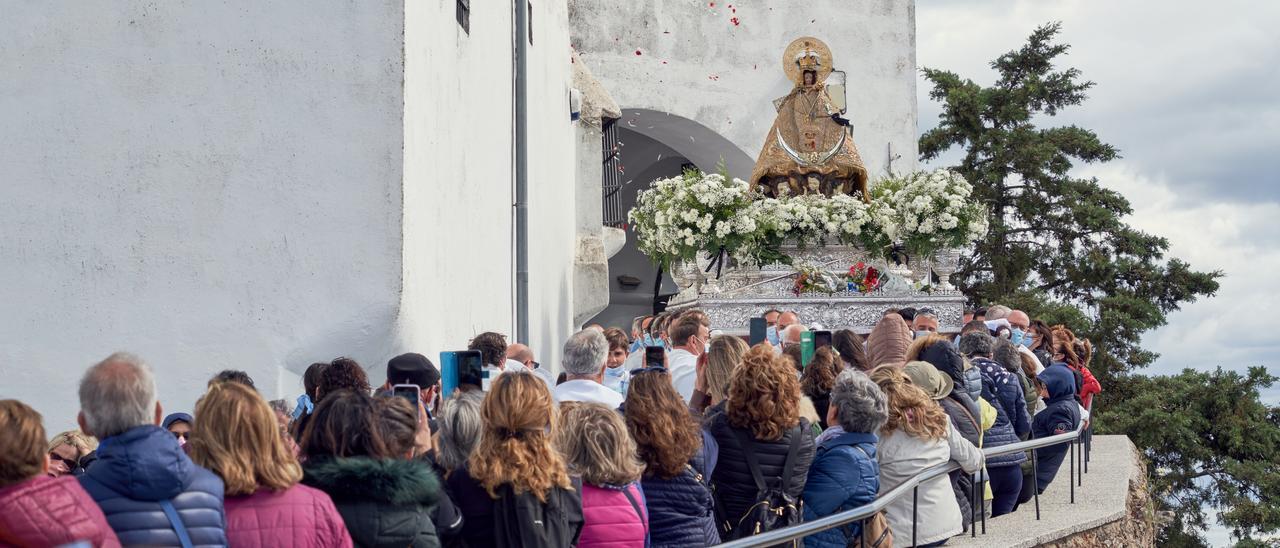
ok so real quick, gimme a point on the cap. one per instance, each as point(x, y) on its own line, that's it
point(175, 417)
point(927, 377)
point(412, 368)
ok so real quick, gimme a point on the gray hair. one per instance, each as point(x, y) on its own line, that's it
point(859, 403)
point(460, 426)
point(929, 312)
point(585, 353)
point(976, 343)
point(998, 312)
point(117, 394)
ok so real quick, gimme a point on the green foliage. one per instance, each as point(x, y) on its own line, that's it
point(1208, 439)
point(1053, 237)
point(1059, 248)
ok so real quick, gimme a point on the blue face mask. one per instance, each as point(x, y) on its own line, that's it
point(956, 342)
point(635, 345)
point(771, 335)
point(1028, 340)
point(922, 334)
point(1015, 336)
point(614, 372)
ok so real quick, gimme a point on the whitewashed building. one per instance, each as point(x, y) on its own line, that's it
point(262, 185)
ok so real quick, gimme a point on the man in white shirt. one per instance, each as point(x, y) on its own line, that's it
point(523, 356)
point(585, 354)
point(689, 339)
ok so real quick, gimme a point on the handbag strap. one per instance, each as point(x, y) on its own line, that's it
point(749, 453)
point(644, 520)
point(791, 458)
point(178, 527)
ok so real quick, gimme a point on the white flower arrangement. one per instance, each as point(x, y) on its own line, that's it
point(678, 217)
point(926, 211)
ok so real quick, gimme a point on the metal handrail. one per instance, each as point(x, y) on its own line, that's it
point(866, 511)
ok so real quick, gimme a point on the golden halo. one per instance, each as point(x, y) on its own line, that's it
point(796, 48)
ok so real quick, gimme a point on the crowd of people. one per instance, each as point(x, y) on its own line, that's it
point(717, 440)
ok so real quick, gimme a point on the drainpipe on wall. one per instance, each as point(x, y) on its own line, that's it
point(522, 172)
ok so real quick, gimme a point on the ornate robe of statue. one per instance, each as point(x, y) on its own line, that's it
point(809, 149)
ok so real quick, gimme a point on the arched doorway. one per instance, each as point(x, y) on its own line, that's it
point(653, 145)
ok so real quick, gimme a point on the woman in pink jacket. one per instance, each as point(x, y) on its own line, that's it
point(35, 508)
point(597, 446)
point(237, 437)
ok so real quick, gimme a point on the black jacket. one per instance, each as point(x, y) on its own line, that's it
point(384, 502)
point(732, 483)
point(498, 522)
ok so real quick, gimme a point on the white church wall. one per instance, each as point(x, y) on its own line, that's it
point(208, 185)
point(552, 173)
point(458, 264)
point(720, 63)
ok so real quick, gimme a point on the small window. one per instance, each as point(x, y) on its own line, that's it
point(464, 15)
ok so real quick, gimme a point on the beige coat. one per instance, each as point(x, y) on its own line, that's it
point(902, 456)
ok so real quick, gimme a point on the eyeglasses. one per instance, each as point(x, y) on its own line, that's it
point(654, 369)
point(70, 463)
point(181, 435)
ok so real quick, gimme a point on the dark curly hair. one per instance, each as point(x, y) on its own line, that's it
point(342, 374)
point(764, 394)
point(820, 374)
point(492, 347)
point(666, 434)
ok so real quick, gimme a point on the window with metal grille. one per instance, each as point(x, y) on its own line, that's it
point(611, 180)
point(463, 14)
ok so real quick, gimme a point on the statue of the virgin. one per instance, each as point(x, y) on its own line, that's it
point(810, 148)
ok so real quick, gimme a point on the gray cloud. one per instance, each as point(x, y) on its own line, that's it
point(1185, 92)
point(1189, 95)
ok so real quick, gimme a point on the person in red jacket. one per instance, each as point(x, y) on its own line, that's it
point(237, 437)
point(36, 509)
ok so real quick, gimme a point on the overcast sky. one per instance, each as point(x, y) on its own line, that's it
point(1190, 94)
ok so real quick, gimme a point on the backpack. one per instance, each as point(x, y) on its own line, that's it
point(775, 508)
point(521, 520)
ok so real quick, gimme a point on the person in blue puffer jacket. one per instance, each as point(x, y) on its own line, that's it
point(845, 473)
point(679, 459)
point(151, 493)
point(1004, 392)
point(1061, 415)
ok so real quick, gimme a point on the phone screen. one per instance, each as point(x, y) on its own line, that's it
point(654, 356)
point(462, 367)
point(471, 368)
point(806, 348)
point(821, 339)
point(758, 329)
point(407, 391)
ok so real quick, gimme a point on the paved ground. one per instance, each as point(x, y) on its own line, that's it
point(1100, 501)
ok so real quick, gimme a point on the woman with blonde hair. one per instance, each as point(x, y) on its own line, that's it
point(765, 446)
point(239, 439)
point(515, 489)
point(35, 509)
point(67, 450)
point(597, 447)
point(918, 436)
point(725, 354)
